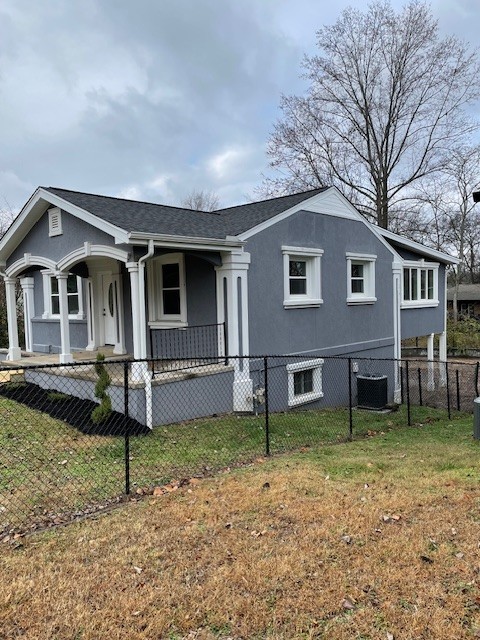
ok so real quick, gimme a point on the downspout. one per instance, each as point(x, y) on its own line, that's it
point(143, 334)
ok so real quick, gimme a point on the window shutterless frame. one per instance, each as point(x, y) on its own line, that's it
point(302, 285)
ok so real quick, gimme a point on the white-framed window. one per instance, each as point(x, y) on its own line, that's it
point(55, 222)
point(304, 381)
point(360, 278)
point(420, 284)
point(167, 291)
point(51, 296)
point(301, 277)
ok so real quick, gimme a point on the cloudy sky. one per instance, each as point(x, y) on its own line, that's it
point(148, 99)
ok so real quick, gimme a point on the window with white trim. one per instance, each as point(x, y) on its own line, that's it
point(55, 222)
point(360, 278)
point(304, 381)
point(167, 292)
point(52, 296)
point(420, 284)
point(301, 277)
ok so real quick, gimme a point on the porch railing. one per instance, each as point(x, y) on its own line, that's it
point(194, 346)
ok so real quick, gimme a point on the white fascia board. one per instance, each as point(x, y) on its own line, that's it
point(318, 204)
point(313, 204)
point(120, 235)
point(185, 242)
point(24, 221)
point(417, 247)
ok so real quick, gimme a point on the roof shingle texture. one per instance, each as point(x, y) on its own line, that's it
point(145, 217)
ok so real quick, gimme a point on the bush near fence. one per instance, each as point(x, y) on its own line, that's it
point(57, 463)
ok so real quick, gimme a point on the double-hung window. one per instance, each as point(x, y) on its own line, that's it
point(167, 297)
point(301, 277)
point(420, 284)
point(52, 297)
point(360, 278)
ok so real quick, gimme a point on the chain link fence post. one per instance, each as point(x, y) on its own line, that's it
point(127, 428)
point(350, 400)
point(267, 416)
point(407, 382)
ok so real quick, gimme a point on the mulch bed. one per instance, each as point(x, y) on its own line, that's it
point(74, 411)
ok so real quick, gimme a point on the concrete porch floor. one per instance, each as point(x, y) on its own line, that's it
point(36, 359)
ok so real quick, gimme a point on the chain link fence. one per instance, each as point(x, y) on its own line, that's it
point(75, 438)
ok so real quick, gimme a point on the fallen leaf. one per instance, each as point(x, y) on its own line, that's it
point(138, 569)
point(158, 491)
point(348, 603)
point(426, 559)
point(390, 636)
point(459, 555)
point(346, 539)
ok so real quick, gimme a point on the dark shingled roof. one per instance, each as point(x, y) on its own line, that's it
point(465, 292)
point(146, 217)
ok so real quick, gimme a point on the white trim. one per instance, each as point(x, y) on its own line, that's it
point(88, 250)
point(368, 262)
point(316, 365)
point(27, 285)
point(314, 204)
point(156, 316)
point(28, 260)
point(35, 208)
point(14, 352)
point(54, 222)
point(47, 298)
point(420, 303)
point(312, 258)
point(185, 242)
point(417, 247)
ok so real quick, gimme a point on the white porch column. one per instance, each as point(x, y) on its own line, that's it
point(65, 355)
point(431, 363)
point(442, 356)
point(234, 271)
point(397, 269)
point(14, 352)
point(28, 310)
point(134, 296)
point(442, 342)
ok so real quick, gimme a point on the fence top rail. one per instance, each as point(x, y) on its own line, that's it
point(118, 362)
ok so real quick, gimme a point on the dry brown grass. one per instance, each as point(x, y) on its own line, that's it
point(262, 553)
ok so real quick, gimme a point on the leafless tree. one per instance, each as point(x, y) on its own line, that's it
point(450, 220)
point(386, 102)
point(201, 200)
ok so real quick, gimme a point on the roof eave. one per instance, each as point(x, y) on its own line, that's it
point(185, 242)
point(417, 247)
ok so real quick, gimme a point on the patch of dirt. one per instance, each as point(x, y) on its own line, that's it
point(72, 410)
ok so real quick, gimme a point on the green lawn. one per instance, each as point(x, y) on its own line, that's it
point(48, 468)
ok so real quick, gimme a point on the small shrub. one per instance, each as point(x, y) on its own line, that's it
point(104, 409)
point(58, 396)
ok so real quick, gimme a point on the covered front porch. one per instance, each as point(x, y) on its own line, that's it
point(143, 302)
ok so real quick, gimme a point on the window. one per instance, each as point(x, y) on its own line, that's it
point(54, 222)
point(467, 309)
point(360, 278)
point(420, 284)
point(304, 381)
point(301, 277)
point(52, 296)
point(167, 299)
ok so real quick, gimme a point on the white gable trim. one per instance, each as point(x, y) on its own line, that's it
point(417, 247)
point(24, 221)
point(323, 203)
point(93, 250)
point(314, 204)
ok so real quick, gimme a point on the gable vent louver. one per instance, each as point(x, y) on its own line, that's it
point(55, 222)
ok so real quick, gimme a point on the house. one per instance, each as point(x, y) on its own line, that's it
point(468, 300)
point(304, 275)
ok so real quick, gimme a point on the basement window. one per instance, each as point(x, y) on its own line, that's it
point(304, 382)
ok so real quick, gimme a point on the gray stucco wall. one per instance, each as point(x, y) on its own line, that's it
point(335, 324)
point(75, 233)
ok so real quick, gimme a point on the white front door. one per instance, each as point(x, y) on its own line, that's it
point(110, 309)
